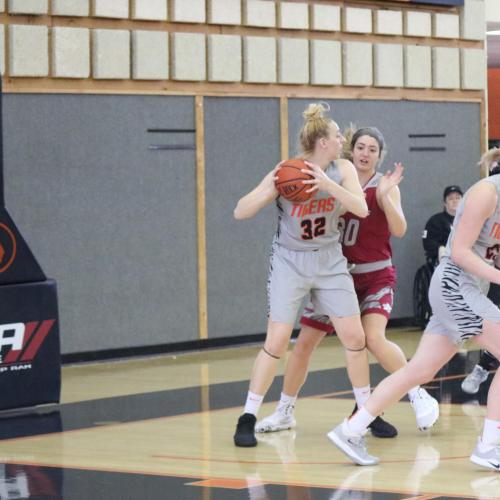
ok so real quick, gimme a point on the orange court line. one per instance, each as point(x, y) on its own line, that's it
point(230, 484)
point(423, 497)
point(300, 462)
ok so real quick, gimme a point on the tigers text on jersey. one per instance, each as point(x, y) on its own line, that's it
point(310, 225)
point(366, 240)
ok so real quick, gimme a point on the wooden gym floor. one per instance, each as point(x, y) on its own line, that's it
point(162, 428)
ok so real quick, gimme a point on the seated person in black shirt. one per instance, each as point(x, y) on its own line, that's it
point(438, 227)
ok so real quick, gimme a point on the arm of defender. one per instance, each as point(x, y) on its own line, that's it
point(389, 200)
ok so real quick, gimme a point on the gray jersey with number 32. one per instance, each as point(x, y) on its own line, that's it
point(310, 225)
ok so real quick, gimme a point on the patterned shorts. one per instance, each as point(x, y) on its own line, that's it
point(459, 303)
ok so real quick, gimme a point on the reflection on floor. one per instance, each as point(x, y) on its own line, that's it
point(177, 443)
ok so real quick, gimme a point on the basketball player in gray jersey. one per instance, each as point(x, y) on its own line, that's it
point(461, 311)
point(306, 259)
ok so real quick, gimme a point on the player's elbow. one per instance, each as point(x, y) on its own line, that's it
point(359, 212)
point(458, 255)
point(363, 211)
point(240, 213)
point(400, 231)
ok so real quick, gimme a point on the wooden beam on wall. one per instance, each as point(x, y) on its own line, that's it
point(200, 215)
point(284, 127)
point(133, 87)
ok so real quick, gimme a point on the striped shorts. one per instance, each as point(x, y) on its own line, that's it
point(459, 303)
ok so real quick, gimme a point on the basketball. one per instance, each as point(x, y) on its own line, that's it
point(289, 181)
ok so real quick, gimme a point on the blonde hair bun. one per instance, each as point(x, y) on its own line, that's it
point(316, 111)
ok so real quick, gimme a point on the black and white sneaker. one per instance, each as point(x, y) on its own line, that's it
point(380, 428)
point(245, 431)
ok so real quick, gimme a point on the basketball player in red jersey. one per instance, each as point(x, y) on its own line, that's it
point(366, 245)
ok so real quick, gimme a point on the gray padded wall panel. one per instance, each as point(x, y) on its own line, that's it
point(426, 173)
point(113, 222)
point(242, 137)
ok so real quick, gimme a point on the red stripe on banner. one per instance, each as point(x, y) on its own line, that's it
point(41, 333)
point(28, 332)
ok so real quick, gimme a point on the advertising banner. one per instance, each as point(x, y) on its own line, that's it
point(30, 367)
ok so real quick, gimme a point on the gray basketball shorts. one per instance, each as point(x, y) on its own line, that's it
point(459, 303)
point(321, 273)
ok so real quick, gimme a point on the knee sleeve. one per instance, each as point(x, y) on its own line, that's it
point(355, 350)
point(270, 354)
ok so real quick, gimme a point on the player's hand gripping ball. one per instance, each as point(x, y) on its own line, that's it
point(289, 180)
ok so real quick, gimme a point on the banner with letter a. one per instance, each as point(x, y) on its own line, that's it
point(29, 345)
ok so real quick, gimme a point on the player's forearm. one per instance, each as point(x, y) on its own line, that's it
point(356, 204)
point(472, 263)
point(253, 202)
point(395, 217)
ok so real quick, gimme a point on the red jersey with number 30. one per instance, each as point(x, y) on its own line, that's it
point(366, 240)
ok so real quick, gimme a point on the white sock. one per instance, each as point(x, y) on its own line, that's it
point(491, 433)
point(253, 403)
point(286, 400)
point(412, 393)
point(361, 394)
point(360, 421)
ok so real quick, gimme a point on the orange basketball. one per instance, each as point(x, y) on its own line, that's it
point(289, 181)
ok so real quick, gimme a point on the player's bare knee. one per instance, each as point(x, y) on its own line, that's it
point(353, 348)
point(275, 348)
point(355, 343)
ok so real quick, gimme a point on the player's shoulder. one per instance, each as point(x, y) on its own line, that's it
point(483, 195)
point(345, 167)
point(344, 163)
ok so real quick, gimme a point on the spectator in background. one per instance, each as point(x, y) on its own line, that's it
point(438, 227)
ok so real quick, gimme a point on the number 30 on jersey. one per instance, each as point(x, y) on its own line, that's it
point(348, 232)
